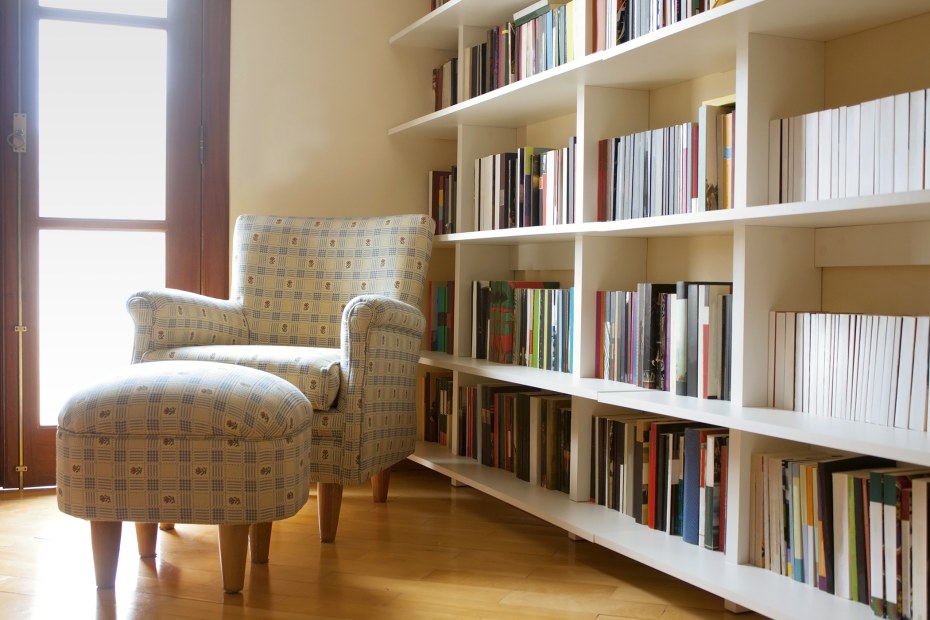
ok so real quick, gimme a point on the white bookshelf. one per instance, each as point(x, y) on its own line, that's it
point(751, 587)
point(781, 58)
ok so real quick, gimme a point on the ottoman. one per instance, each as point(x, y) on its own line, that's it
point(184, 442)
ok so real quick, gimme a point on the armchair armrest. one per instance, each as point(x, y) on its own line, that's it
point(380, 352)
point(171, 318)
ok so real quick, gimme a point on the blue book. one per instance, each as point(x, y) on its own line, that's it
point(695, 438)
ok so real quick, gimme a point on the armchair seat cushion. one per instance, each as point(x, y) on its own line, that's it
point(313, 370)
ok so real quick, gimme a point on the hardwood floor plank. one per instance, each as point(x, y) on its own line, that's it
point(431, 552)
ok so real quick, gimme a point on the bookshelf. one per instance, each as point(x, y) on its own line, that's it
point(858, 254)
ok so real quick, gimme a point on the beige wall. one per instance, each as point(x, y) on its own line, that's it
point(314, 89)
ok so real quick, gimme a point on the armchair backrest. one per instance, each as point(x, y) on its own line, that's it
point(294, 275)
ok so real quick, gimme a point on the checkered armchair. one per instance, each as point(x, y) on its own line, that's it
point(331, 305)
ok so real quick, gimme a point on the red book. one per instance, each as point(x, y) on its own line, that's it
point(602, 146)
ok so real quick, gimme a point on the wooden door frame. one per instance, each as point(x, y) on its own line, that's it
point(209, 277)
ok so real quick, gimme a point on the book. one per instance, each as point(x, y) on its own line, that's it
point(710, 153)
point(715, 492)
point(920, 517)
point(695, 439)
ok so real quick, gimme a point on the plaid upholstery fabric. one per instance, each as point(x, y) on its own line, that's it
point(353, 285)
point(314, 370)
point(185, 442)
point(294, 276)
point(171, 318)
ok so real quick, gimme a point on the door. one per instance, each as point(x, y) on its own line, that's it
point(109, 143)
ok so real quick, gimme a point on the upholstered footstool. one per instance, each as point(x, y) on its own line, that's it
point(184, 442)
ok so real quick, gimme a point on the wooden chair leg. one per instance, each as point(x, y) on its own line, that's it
point(379, 486)
point(104, 539)
point(260, 542)
point(234, 545)
point(146, 539)
point(329, 501)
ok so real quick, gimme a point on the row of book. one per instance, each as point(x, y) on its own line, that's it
point(685, 168)
point(617, 21)
point(533, 186)
point(518, 429)
point(540, 37)
point(665, 473)
point(867, 368)
point(441, 316)
point(442, 199)
point(435, 398)
point(853, 526)
point(672, 337)
point(874, 147)
point(526, 323)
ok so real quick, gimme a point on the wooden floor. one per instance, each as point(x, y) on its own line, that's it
point(432, 552)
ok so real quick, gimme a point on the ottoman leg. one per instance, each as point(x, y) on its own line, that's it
point(146, 539)
point(166, 527)
point(260, 542)
point(234, 545)
point(104, 539)
point(329, 501)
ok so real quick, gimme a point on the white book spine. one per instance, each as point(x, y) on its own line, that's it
point(842, 152)
point(917, 420)
point(841, 536)
point(788, 361)
point(902, 119)
point(770, 380)
point(884, 155)
point(879, 329)
point(835, 148)
point(868, 115)
point(926, 139)
point(811, 155)
point(824, 153)
point(853, 114)
point(915, 145)
point(905, 366)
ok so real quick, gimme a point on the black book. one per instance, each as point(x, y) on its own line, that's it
point(651, 367)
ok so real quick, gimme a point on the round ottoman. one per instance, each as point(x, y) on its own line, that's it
point(184, 442)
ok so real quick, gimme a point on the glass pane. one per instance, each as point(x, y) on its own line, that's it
point(144, 8)
point(102, 106)
point(85, 333)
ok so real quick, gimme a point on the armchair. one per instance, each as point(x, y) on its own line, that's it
point(331, 305)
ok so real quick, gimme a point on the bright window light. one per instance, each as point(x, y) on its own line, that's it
point(85, 278)
point(102, 128)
